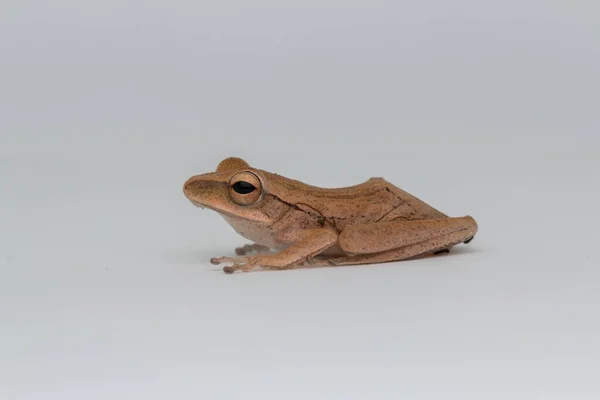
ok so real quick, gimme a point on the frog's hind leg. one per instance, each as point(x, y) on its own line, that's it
point(417, 250)
point(401, 240)
point(382, 236)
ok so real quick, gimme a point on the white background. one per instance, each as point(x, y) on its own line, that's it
point(482, 108)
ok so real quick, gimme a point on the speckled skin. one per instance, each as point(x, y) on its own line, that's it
point(368, 223)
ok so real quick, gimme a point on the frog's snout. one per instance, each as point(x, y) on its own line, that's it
point(191, 190)
point(208, 190)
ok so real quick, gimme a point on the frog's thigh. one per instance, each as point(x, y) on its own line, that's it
point(402, 253)
point(427, 235)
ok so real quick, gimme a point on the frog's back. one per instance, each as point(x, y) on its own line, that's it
point(371, 201)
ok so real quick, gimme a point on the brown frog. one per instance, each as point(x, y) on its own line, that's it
point(372, 222)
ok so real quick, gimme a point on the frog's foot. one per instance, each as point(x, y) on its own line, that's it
point(245, 264)
point(312, 243)
point(258, 248)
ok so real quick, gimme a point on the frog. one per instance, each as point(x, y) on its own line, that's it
point(292, 224)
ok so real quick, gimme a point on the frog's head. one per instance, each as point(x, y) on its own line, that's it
point(234, 190)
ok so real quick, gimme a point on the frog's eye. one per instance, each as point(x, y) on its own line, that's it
point(245, 188)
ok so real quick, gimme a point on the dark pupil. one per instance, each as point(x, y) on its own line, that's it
point(242, 187)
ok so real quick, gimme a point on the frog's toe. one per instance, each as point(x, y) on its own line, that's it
point(245, 267)
point(237, 263)
point(220, 260)
point(234, 260)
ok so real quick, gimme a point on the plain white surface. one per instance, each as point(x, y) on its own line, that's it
point(488, 109)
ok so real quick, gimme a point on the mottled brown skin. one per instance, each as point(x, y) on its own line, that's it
point(368, 223)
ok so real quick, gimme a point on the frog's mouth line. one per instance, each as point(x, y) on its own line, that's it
point(223, 213)
point(205, 207)
point(198, 204)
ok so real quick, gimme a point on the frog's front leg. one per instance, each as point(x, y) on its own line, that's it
point(309, 244)
point(242, 251)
